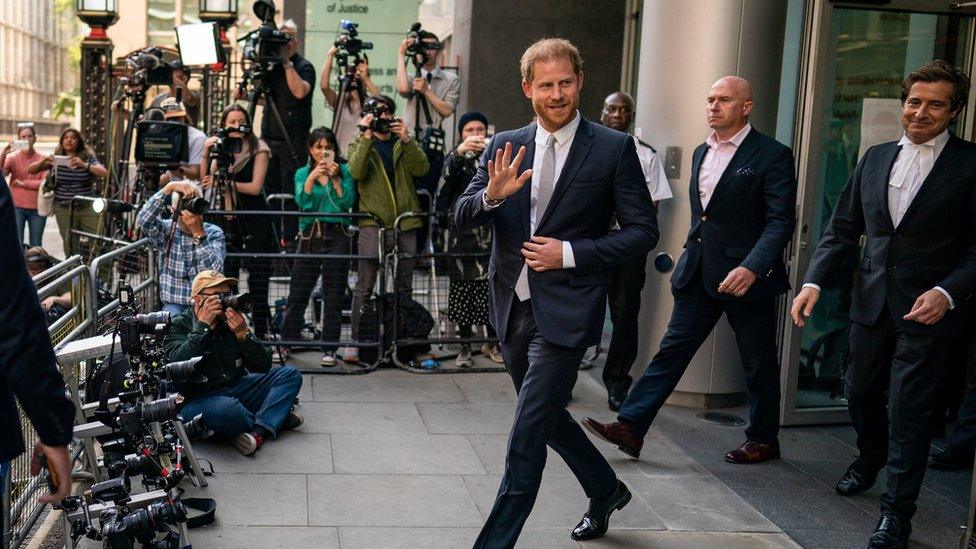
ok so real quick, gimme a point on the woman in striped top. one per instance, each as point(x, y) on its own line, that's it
point(75, 179)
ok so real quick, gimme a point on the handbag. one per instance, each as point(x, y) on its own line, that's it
point(45, 195)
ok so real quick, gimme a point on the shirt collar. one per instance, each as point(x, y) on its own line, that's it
point(937, 142)
point(435, 72)
point(562, 134)
point(736, 139)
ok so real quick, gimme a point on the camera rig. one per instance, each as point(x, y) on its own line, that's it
point(348, 57)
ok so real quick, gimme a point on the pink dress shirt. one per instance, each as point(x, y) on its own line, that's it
point(716, 159)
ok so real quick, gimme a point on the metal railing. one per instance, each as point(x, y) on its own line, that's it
point(21, 508)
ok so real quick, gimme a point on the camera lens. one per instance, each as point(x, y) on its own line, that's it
point(197, 428)
point(185, 370)
point(159, 410)
point(198, 205)
point(241, 303)
point(140, 465)
point(150, 321)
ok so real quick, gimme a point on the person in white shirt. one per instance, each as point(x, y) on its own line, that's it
point(628, 278)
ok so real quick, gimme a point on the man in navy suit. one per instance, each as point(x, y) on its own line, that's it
point(549, 273)
point(743, 196)
point(915, 202)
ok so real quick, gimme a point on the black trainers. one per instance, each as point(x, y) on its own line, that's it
point(293, 421)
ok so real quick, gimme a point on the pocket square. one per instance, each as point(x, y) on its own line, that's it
point(745, 171)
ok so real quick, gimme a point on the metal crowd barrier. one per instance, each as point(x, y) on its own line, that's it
point(133, 262)
point(21, 509)
point(432, 286)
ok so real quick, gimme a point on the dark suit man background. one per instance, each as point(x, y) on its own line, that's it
point(915, 201)
point(548, 275)
point(743, 199)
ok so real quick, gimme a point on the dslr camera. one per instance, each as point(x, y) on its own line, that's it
point(241, 303)
point(376, 107)
point(349, 44)
point(197, 205)
point(265, 45)
point(146, 68)
point(419, 46)
point(227, 145)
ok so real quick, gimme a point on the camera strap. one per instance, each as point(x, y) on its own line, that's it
point(206, 511)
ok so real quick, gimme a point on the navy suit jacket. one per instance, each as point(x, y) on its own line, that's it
point(748, 222)
point(933, 245)
point(27, 364)
point(602, 176)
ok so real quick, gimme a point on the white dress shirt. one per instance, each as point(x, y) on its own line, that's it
point(657, 180)
point(564, 140)
point(716, 159)
point(912, 165)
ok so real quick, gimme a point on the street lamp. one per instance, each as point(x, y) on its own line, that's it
point(97, 14)
point(222, 12)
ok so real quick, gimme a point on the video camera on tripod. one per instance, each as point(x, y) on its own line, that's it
point(145, 68)
point(350, 46)
point(263, 46)
point(422, 45)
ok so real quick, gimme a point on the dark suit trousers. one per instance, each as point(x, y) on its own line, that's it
point(908, 368)
point(692, 320)
point(625, 301)
point(544, 375)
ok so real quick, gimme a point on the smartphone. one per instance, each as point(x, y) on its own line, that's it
point(328, 155)
point(20, 145)
point(62, 160)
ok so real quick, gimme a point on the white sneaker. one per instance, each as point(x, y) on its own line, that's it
point(248, 443)
point(280, 355)
point(463, 359)
point(328, 360)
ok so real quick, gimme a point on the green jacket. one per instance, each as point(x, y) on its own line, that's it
point(225, 361)
point(324, 198)
point(376, 193)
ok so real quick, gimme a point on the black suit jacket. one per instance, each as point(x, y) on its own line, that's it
point(602, 176)
point(934, 245)
point(27, 367)
point(748, 222)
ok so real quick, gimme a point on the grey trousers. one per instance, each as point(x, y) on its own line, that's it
point(369, 243)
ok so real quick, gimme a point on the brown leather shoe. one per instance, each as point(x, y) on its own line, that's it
point(618, 433)
point(753, 452)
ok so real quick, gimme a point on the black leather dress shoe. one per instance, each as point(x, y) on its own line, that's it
point(855, 481)
point(615, 399)
point(596, 521)
point(891, 533)
point(951, 459)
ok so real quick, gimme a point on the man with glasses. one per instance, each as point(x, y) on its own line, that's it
point(628, 278)
point(241, 397)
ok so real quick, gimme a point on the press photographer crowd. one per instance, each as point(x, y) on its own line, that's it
point(266, 240)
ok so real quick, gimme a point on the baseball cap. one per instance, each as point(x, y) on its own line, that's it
point(172, 108)
point(209, 279)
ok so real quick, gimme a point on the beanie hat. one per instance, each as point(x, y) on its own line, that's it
point(469, 117)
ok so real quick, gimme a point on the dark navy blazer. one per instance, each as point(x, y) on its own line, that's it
point(602, 177)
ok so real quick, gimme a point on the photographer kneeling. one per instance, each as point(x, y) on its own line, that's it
point(185, 250)
point(242, 397)
point(386, 169)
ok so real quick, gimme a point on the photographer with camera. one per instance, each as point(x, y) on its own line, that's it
point(235, 166)
point(185, 245)
point(386, 163)
point(432, 94)
point(180, 89)
point(290, 85)
point(175, 111)
point(243, 396)
point(73, 175)
point(323, 186)
point(348, 113)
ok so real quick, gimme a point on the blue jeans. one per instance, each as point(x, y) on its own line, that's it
point(256, 399)
point(35, 223)
point(174, 309)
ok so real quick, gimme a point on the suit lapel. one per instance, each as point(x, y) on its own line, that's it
point(524, 195)
point(577, 154)
point(887, 161)
point(944, 166)
point(742, 155)
point(696, 161)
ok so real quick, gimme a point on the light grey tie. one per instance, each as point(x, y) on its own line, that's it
point(547, 176)
point(547, 179)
